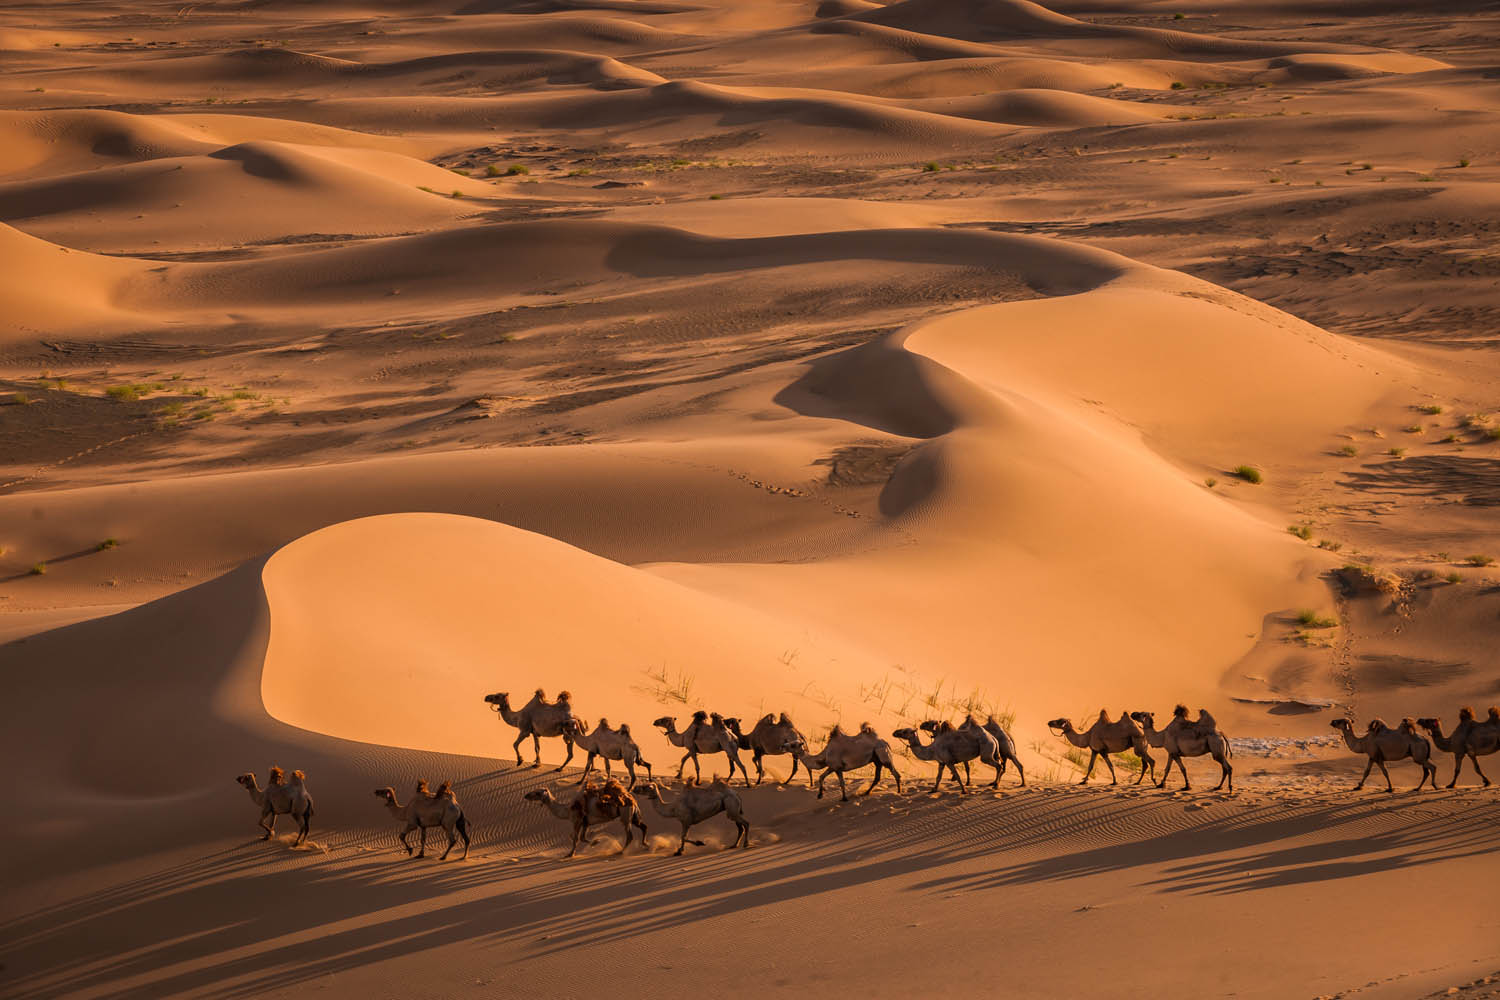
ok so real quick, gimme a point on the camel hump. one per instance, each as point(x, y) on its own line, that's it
point(1375, 725)
point(564, 696)
point(1408, 725)
point(769, 719)
point(276, 775)
point(1494, 713)
point(866, 729)
point(443, 788)
point(541, 695)
point(700, 716)
point(1103, 715)
point(624, 727)
point(1466, 714)
point(603, 722)
point(422, 787)
point(1180, 711)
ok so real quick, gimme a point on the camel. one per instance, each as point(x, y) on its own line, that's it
point(610, 744)
point(696, 804)
point(1381, 743)
point(705, 734)
point(280, 798)
point(1182, 739)
point(771, 737)
point(538, 717)
point(843, 753)
point(426, 810)
point(950, 747)
point(594, 804)
point(1005, 746)
point(1469, 739)
point(1104, 738)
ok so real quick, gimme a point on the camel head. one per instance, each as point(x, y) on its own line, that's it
point(647, 790)
point(666, 722)
point(500, 701)
point(538, 795)
point(930, 726)
point(387, 793)
point(794, 746)
point(732, 724)
point(1429, 724)
point(246, 780)
point(577, 727)
point(1408, 726)
point(1144, 718)
point(905, 733)
point(1342, 725)
point(1063, 725)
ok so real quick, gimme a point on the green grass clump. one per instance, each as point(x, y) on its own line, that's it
point(107, 544)
point(1349, 451)
point(1178, 85)
point(1329, 544)
point(1210, 482)
point(1454, 577)
point(1302, 531)
point(492, 171)
point(1249, 474)
point(1431, 409)
point(1479, 560)
point(458, 194)
point(1311, 619)
point(929, 167)
point(1413, 428)
point(1493, 433)
point(1396, 452)
point(38, 569)
point(132, 390)
point(1463, 161)
point(716, 197)
point(517, 169)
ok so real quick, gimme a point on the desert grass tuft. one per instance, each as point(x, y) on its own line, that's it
point(1479, 560)
point(107, 544)
point(1249, 474)
point(1311, 619)
point(1302, 531)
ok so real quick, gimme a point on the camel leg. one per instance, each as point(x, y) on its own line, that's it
point(422, 830)
point(999, 767)
point(1368, 768)
point(638, 823)
point(516, 746)
point(967, 776)
point(536, 750)
point(451, 841)
point(1019, 770)
point(1226, 773)
point(404, 842)
point(1388, 786)
point(463, 831)
point(307, 825)
point(1165, 774)
point(588, 765)
point(963, 788)
point(607, 775)
point(625, 825)
point(566, 760)
point(935, 785)
point(683, 763)
point(629, 770)
point(268, 828)
point(1113, 779)
point(789, 777)
point(1146, 759)
point(1475, 760)
point(1429, 770)
point(1187, 785)
point(874, 781)
point(1093, 759)
point(1458, 766)
point(843, 789)
point(580, 827)
point(824, 778)
point(735, 759)
point(682, 842)
point(760, 769)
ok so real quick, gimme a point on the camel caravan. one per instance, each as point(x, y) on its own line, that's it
point(947, 746)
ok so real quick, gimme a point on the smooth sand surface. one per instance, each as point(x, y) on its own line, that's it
point(864, 362)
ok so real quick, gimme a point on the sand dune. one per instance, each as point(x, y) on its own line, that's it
point(864, 362)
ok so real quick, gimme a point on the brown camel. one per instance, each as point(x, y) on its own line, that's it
point(1381, 743)
point(426, 810)
point(696, 804)
point(771, 737)
point(281, 798)
point(538, 717)
point(1104, 738)
point(1469, 739)
point(705, 734)
point(951, 747)
point(1005, 746)
point(1182, 739)
point(611, 745)
point(594, 804)
point(843, 753)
